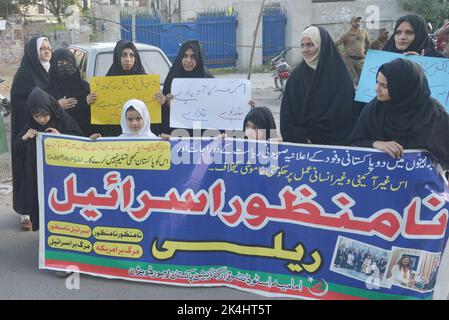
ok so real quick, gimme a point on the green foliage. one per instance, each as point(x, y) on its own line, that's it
point(434, 11)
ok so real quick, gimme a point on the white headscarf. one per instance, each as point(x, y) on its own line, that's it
point(141, 108)
point(39, 41)
point(314, 34)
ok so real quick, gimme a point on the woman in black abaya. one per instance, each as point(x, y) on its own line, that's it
point(33, 71)
point(44, 115)
point(126, 61)
point(410, 37)
point(317, 106)
point(69, 89)
point(189, 63)
point(403, 115)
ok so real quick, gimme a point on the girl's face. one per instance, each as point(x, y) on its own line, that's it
point(41, 118)
point(253, 133)
point(45, 51)
point(128, 59)
point(383, 95)
point(404, 36)
point(134, 121)
point(189, 61)
point(308, 48)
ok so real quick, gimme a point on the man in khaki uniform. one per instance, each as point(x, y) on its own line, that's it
point(355, 42)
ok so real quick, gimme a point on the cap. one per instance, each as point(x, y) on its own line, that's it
point(355, 18)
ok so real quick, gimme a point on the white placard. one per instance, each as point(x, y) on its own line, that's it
point(2, 24)
point(215, 103)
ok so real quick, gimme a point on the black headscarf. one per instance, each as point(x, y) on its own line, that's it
point(41, 102)
point(30, 74)
point(422, 39)
point(177, 71)
point(262, 119)
point(116, 67)
point(318, 104)
point(412, 117)
point(65, 81)
point(25, 200)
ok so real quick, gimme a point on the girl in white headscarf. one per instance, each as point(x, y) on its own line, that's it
point(136, 120)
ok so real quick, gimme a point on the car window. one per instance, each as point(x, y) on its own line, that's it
point(153, 62)
point(79, 56)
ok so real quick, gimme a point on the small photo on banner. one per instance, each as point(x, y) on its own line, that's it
point(435, 69)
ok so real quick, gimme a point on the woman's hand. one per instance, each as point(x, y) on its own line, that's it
point(95, 136)
point(165, 136)
point(67, 103)
point(91, 98)
point(252, 104)
point(52, 130)
point(414, 53)
point(31, 134)
point(394, 149)
point(160, 98)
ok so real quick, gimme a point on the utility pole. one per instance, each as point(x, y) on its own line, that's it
point(133, 28)
point(254, 41)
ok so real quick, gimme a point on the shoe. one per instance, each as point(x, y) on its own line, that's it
point(26, 225)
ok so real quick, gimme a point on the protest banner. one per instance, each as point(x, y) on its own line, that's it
point(435, 69)
point(215, 103)
point(280, 220)
point(113, 92)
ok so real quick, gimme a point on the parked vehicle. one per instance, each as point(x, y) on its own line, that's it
point(95, 59)
point(281, 70)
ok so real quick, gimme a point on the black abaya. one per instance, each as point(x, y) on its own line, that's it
point(63, 84)
point(317, 105)
point(412, 117)
point(25, 187)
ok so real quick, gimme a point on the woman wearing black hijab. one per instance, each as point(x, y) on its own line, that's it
point(403, 115)
point(33, 71)
point(69, 89)
point(44, 115)
point(188, 64)
point(410, 37)
point(259, 124)
point(126, 61)
point(317, 106)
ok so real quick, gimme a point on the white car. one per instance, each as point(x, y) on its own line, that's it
point(95, 58)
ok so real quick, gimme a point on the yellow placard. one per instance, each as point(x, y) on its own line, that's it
point(70, 244)
point(113, 92)
point(118, 234)
point(69, 229)
point(133, 155)
point(121, 250)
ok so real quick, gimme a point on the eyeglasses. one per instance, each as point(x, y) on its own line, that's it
point(45, 49)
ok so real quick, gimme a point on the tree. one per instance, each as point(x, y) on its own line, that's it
point(434, 11)
point(56, 7)
point(8, 7)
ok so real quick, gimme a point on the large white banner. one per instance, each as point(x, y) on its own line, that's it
point(211, 103)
